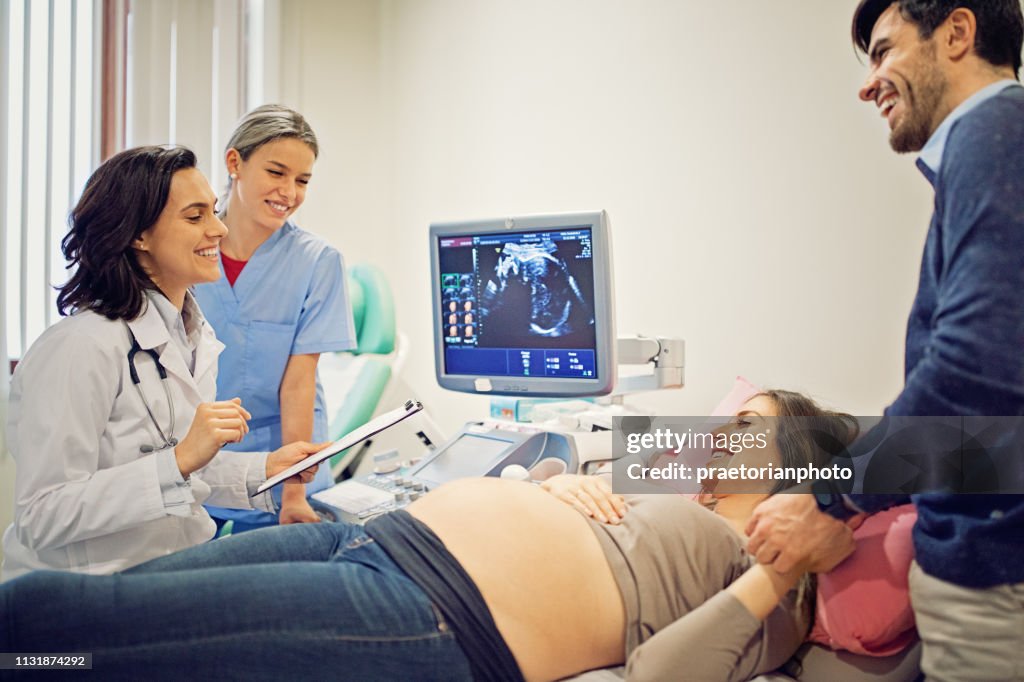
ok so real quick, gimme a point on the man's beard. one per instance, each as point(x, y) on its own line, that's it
point(922, 101)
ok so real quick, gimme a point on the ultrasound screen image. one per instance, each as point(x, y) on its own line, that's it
point(523, 306)
point(529, 298)
point(537, 293)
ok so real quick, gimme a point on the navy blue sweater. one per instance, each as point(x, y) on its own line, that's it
point(965, 335)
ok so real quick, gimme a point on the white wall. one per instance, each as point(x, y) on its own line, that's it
point(757, 209)
point(331, 71)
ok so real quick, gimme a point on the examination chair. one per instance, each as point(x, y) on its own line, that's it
point(354, 381)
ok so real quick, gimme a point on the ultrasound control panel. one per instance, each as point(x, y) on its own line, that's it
point(479, 449)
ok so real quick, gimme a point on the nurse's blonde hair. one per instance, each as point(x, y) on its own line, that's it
point(265, 124)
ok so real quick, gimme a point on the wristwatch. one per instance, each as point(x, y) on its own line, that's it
point(832, 501)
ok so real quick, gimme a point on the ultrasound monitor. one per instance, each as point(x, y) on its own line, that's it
point(524, 305)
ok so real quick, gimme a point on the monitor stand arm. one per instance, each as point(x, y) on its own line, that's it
point(666, 355)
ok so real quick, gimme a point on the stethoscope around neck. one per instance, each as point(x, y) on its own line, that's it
point(135, 349)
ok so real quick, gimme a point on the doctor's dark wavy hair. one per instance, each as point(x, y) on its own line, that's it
point(1000, 31)
point(123, 198)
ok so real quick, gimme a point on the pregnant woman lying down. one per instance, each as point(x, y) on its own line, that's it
point(482, 579)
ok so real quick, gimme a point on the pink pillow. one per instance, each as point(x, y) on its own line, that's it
point(864, 603)
point(742, 391)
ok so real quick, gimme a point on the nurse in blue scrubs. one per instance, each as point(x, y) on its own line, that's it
point(281, 300)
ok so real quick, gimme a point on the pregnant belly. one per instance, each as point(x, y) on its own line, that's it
point(540, 569)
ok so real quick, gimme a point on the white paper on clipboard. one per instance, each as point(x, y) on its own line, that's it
point(354, 437)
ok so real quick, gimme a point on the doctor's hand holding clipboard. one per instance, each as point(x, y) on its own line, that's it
point(328, 450)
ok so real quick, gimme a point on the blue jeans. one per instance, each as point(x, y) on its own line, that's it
point(313, 601)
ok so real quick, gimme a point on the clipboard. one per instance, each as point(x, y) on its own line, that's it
point(370, 428)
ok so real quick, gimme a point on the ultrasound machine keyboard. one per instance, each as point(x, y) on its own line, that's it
point(372, 495)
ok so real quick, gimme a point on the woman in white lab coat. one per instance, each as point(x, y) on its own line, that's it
point(112, 422)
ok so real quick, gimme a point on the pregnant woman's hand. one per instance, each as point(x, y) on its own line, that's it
point(591, 495)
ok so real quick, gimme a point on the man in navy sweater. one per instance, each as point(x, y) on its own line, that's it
point(944, 75)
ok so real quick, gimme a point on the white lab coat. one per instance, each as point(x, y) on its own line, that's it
point(86, 498)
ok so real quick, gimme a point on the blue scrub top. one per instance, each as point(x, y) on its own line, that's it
point(290, 299)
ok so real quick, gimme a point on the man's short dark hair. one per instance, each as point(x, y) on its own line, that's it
point(1000, 24)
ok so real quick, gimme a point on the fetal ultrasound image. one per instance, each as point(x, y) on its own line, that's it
point(539, 295)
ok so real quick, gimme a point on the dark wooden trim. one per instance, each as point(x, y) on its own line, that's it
point(113, 77)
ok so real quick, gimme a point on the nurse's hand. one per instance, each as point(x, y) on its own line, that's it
point(215, 424)
point(282, 458)
point(297, 512)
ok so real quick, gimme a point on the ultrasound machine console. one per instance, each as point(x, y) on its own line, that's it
point(521, 306)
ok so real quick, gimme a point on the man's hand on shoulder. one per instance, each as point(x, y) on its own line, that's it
point(788, 531)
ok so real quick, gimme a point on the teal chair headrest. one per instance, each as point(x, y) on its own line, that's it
point(373, 309)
